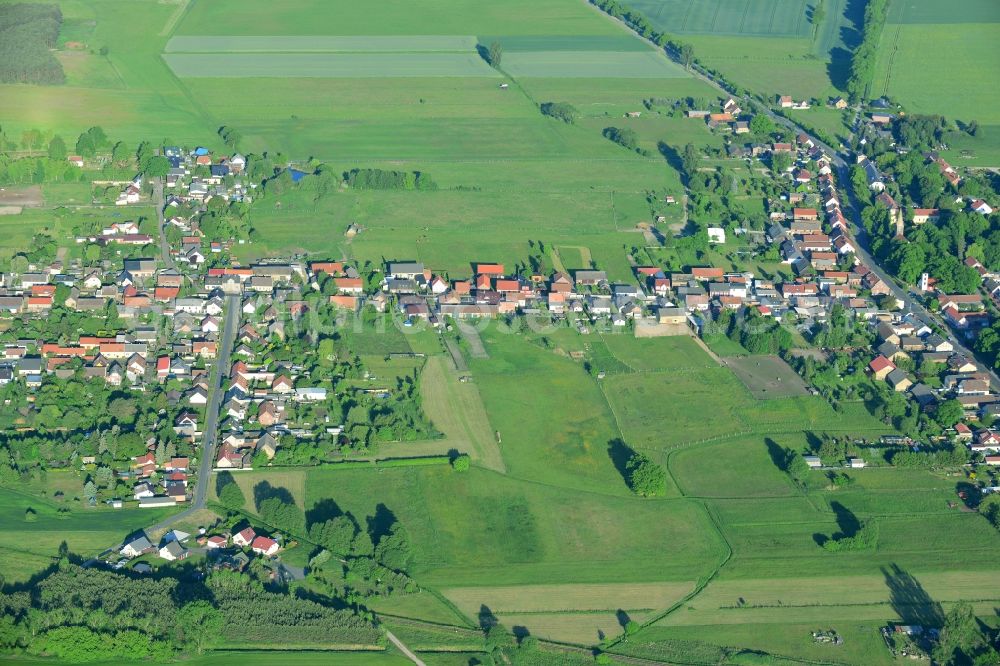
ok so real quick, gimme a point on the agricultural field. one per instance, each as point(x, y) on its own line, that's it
point(770, 47)
point(935, 58)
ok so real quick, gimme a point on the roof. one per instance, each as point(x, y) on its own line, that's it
point(880, 363)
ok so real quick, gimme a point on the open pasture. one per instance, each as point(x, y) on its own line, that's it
point(700, 472)
point(528, 393)
point(430, 17)
point(662, 410)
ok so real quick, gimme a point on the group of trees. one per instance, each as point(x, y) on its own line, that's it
point(366, 561)
point(623, 136)
point(756, 333)
point(28, 32)
point(865, 55)
point(937, 248)
point(563, 111)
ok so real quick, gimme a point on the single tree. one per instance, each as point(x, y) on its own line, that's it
point(687, 55)
point(57, 148)
point(496, 54)
point(231, 496)
point(645, 477)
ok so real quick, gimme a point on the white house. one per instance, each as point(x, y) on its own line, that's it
point(136, 547)
point(716, 235)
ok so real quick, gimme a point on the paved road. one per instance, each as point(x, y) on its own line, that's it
point(160, 203)
point(210, 431)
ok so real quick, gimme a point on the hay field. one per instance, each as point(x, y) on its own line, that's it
point(456, 409)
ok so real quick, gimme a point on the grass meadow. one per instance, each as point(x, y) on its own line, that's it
point(86, 531)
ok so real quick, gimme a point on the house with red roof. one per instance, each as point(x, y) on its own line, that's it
point(880, 367)
point(244, 538)
point(263, 545)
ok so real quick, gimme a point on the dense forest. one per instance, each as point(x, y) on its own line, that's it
point(27, 33)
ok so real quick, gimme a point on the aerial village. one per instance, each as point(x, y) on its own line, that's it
point(163, 318)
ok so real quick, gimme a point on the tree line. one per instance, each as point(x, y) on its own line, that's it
point(27, 33)
point(865, 56)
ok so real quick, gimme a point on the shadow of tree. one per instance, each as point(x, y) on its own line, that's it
point(910, 600)
point(265, 491)
point(673, 158)
point(846, 521)
point(487, 620)
point(379, 523)
point(322, 511)
point(223, 479)
point(620, 454)
point(779, 456)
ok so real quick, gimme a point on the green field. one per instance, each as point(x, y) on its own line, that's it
point(319, 43)
point(543, 528)
point(948, 79)
point(324, 65)
point(728, 17)
point(770, 46)
point(87, 532)
point(592, 64)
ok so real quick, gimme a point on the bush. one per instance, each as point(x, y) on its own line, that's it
point(461, 463)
